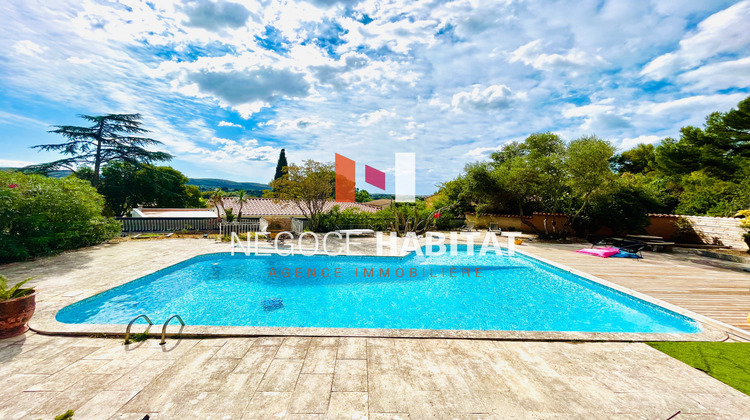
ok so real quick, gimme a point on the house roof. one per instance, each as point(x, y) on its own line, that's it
point(380, 203)
point(192, 213)
point(271, 207)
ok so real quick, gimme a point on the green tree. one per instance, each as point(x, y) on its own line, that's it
point(362, 196)
point(309, 186)
point(281, 165)
point(639, 160)
point(111, 137)
point(41, 215)
point(588, 170)
point(241, 199)
point(126, 186)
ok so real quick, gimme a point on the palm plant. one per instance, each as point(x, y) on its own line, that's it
point(216, 200)
point(241, 199)
point(13, 292)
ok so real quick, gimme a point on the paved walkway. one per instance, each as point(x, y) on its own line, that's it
point(346, 378)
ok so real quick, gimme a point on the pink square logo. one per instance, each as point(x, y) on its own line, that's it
point(374, 177)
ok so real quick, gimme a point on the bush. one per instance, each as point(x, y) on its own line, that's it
point(40, 216)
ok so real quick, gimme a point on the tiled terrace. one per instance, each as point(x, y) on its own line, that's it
point(331, 377)
point(346, 378)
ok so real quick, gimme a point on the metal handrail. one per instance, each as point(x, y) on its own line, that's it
point(164, 328)
point(127, 330)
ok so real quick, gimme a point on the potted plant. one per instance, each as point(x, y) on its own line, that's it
point(16, 308)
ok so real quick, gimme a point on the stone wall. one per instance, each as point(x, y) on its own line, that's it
point(718, 230)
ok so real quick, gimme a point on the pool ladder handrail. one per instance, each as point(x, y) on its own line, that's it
point(127, 330)
point(164, 328)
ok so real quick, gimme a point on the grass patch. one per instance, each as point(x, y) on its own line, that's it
point(727, 362)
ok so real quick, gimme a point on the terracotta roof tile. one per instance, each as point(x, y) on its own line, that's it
point(270, 207)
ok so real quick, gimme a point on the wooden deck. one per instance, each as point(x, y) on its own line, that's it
point(714, 288)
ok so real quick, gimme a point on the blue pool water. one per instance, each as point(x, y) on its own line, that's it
point(499, 293)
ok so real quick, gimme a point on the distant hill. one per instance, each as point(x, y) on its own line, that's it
point(213, 183)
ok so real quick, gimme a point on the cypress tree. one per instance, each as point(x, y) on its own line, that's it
point(281, 165)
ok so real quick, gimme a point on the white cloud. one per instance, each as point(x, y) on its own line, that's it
point(722, 32)
point(629, 143)
point(369, 118)
point(27, 47)
point(10, 163)
point(489, 98)
point(228, 124)
point(718, 76)
point(531, 55)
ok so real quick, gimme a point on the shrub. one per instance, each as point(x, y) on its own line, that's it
point(40, 215)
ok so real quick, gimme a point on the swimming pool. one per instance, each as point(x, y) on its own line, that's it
point(461, 292)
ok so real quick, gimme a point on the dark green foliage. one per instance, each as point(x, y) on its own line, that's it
point(362, 196)
point(727, 362)
point(126, 186)
point(41, 215)
point(8, 293)
point(639, 160)
point(111, 137)
point(623, 209)
point(281, 165)
point(68, 415)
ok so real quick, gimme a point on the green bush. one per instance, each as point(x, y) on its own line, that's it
point(41, 215)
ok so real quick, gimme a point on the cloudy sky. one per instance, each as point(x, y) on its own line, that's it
point(227, 84)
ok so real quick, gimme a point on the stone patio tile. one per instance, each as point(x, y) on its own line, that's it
point(352, 348)
point(281, 376)
point(61, 360)
point(25, 403)
point(69, 376)
point(311, 394)
point(347, 405)
point(74, 397)
point(211, 376)
point(269, 341)
point(389, 416)
point(256, 360)
point(428, 405)
point(324, 342)
point(268, 405)
point(213, 342)
point(104, 405)
point(350, 376)
point(167, 389)
point(458, 396)
point(140, 375)
point(320, 360)
point(16, 383)
point(235, 349)
point(174, 349)
point(388, 393)
point(293, 348)
point(382, 359)
point(234, 397)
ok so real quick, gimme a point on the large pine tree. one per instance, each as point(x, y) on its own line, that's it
point(111, 137)
point(281, 165)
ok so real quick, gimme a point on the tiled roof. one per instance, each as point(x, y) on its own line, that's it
point(167, 213)
point(270, 207)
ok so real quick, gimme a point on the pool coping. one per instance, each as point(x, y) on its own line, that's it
point(44, 322)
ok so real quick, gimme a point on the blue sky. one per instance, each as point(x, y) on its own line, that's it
point(227, 84)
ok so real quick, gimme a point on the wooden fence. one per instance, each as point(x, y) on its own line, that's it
point(168, 224)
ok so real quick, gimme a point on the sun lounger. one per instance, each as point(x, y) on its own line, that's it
point(468, 227)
